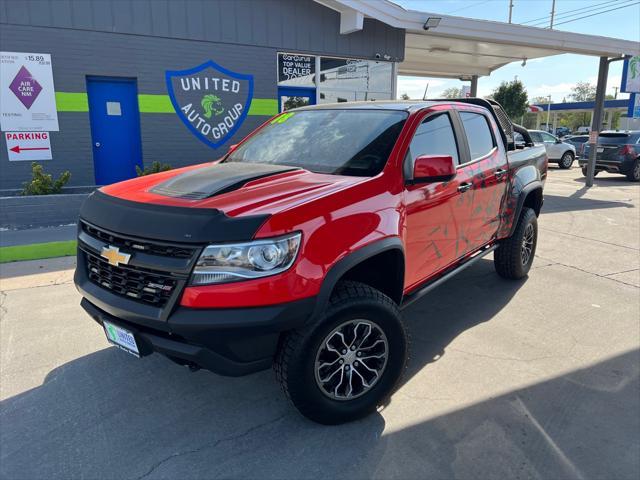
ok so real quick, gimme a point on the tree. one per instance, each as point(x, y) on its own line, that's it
point(513, 98)
point(451, 92)
point(540, 100)
point(404, 96)
point(583, 92)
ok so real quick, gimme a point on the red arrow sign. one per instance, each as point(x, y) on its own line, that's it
point(18, 149)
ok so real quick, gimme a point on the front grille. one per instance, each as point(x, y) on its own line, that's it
point(134, 283)
point(138, 245)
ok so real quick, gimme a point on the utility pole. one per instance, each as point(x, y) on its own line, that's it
point(615, 96)
point(510, 10)
point(553, 13)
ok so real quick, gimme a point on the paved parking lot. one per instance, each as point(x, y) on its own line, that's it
point(532, 379)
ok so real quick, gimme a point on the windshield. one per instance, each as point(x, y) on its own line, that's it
point(615, 138)
point(340, 142)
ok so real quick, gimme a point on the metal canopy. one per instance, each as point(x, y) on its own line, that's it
point(462, 47)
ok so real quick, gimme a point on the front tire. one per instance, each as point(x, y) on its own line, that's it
point(634, 174)
point(566, 161)
point(514, 257)
point(344, 365)
point(585, 172)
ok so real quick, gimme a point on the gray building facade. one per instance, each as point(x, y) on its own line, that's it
point(105, 44)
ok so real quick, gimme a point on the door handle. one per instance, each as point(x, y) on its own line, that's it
point(500, 173)
point(463, 187)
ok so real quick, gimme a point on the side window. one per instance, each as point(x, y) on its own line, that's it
point(478, 134)
point(536, 137)
point(548, 138)
point(434, 136)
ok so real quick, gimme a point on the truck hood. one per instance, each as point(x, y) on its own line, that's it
point(236, 189)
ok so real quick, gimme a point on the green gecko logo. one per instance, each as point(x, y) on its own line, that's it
point(112, 332)
point(212, 105)
point(634, 66)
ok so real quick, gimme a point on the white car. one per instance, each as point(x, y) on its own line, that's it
point(558, 151)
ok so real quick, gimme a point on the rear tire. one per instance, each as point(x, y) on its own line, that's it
point(566, 161)
point(634, 174)
point(344, 365)
point(585, 172)
point(514, 257)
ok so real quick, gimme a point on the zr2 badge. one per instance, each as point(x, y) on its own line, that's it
point(210, 100)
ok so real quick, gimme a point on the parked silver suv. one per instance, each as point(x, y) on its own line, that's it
point(559, 152)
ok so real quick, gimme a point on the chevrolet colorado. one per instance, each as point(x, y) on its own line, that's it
point(300, 246)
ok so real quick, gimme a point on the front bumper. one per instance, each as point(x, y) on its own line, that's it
point(230, 342)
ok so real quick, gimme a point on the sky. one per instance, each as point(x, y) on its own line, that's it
point(553, 76)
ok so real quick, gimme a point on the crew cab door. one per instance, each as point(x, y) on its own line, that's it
point(486, 169)
point(447, 220)
point(432, 219)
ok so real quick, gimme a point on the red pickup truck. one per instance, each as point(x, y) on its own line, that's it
point(299, 247)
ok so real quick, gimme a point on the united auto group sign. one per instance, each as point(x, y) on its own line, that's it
point(211, 100)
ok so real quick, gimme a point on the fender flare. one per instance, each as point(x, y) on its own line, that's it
point(349, 261)
point(526, 190)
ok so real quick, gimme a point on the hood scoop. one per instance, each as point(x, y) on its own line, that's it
point(216, 179)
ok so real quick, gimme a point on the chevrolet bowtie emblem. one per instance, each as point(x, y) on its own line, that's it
point(114, 257)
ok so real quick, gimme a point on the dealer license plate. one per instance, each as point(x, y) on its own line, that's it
point(121, 338)
point(600, 149)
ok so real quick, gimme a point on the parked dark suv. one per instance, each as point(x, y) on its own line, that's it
point(616, 152)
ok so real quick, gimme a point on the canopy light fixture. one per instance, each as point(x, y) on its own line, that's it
point(432, 22)
point(524, 61)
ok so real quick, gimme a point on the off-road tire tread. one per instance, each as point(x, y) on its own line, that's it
point(346, 291)
point(506, 258)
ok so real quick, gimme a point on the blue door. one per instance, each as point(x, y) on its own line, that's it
point(115, 128)
point(294, 97)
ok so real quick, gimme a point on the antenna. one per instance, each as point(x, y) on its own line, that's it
point(424, 97)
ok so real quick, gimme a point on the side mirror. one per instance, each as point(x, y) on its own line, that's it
point(558, 140)
point(433, 168)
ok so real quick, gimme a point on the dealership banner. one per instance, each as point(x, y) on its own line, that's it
point(292, 66)
point(27, 95)
point(631, 75)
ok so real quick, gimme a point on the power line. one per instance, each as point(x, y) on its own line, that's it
point(561, 14)
point(600, 13)
point(601, 9)
point(469, 6)
point(593, 11)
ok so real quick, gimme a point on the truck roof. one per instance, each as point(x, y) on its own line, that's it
point(404, 105)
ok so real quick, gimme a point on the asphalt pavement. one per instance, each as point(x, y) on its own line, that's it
point(531, 379)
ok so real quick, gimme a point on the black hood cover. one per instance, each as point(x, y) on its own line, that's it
point(167, 223)
point(216, 179)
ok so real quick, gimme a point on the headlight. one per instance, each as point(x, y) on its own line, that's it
point(241, 261)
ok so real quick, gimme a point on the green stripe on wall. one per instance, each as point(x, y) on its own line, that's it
point(77, 102)
point(155, 103)
point(72, 102)
point(263, 106)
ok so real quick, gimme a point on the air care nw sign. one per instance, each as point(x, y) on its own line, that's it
point(28, 146)
point(27, 96)
point(211, 100)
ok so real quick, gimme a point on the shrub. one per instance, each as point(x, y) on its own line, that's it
point(42, 183)
point(155, 167)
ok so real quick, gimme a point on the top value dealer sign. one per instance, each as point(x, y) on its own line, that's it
point(27, 96)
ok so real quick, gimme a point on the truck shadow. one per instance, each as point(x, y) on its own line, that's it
point(574, 203)
point(473, 297)
point(108, 415)
point(100, 417)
